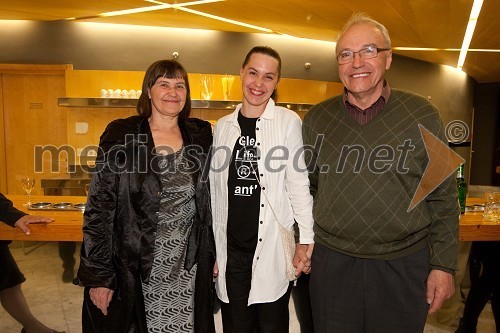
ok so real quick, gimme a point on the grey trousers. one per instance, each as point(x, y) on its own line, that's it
point(354, 295)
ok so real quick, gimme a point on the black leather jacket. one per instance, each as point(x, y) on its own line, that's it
point(120, 222)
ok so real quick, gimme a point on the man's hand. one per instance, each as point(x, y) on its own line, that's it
point(23, 222)
point(440, 287)
point(302, 258)
point(101, 297)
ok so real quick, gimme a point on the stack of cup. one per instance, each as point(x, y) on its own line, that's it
point(119, 93)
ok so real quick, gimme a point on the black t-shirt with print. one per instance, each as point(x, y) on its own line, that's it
point(243, 190)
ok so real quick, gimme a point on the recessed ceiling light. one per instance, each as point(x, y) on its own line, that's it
point(474, 14)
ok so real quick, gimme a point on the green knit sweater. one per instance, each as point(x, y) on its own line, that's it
point(363, 179)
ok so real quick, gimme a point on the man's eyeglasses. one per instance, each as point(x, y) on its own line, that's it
point(368, 52)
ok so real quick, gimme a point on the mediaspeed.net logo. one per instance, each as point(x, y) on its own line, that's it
point(443, 161)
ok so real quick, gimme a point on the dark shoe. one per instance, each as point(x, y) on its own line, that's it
point(68, 276)
point(465, 327)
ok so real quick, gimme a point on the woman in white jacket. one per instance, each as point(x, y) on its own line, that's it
point(258, 179)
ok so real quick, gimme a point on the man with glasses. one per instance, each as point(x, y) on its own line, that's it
point(379, 264)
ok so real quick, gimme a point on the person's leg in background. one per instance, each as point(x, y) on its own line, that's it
point(15, 304)
point(11, 295)
point(67, 254)
point(485, 262)
point(447, 317)
point(302, 304)
point(495, 301)
point(495, 276)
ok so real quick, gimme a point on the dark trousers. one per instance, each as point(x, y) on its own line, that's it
point(353, 295)
point(485, 283)
point(302, 304)
point(237, 316)
point(67, 254)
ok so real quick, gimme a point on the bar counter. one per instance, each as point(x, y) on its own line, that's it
point(473, 228)
point(68, 224)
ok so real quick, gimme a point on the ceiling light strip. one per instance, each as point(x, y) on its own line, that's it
point(194, 3)
point(159, 6)
point(223, 19)
point(135, 10)
point(469, 32)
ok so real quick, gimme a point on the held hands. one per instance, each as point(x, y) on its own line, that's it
point(302, 258)
point(440, 287)
point(23, 222)
point(101, 297)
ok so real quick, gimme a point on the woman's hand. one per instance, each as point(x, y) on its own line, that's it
point(101, 297)
point(302, 258)
point(216, 271)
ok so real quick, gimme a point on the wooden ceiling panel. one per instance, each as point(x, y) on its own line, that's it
point(486, 35)
point(48, 10)
point(282, 16)
point(483, 65)
point(430, 24)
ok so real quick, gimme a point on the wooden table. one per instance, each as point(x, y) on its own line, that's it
point(473, 228)
point(67, 225)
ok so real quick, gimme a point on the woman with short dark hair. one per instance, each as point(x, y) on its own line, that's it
point(148, 253)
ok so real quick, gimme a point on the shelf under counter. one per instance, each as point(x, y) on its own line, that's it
point(132, 103)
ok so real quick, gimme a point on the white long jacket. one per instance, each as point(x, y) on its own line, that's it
point(284, 190)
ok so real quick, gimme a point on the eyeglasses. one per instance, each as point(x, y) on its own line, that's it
point(368, 52)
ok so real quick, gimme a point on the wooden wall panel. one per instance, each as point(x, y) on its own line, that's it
point(96, 119)
point(31, 117)
point(3, 165)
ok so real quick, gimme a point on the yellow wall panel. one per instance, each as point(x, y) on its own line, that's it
point(88, 83)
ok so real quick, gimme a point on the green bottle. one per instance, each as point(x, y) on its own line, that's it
point(462, 188)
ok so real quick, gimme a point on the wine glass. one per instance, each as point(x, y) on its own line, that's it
point(87, 188)
point(28, 185)
point(227, 83)
point(207, 85)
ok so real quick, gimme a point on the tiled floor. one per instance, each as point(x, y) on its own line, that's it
point(58, 305)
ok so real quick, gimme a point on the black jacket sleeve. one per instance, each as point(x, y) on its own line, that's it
point(8, 213)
